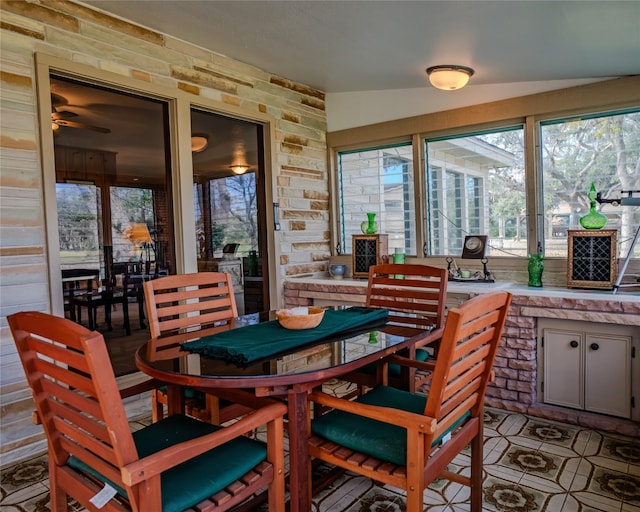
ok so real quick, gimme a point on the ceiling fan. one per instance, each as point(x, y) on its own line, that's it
point(62, 117)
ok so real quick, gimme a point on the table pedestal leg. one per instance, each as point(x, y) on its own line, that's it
point(299, 467)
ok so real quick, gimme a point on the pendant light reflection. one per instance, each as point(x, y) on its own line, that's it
point(199, 142)
point(239, 169)
point(449, 77)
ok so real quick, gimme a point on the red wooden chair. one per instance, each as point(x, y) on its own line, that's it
point(179, 306)
point(415, 296)
point(176, 464)
point(407, 439)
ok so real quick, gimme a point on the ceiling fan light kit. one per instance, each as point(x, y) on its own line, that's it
point(449, 77)
point(61, 117)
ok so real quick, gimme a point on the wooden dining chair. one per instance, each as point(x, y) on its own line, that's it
point(77, 282)
point(106, 295)
point(128, 275)
point(406, 439)
point(177, 307)
point(415, 296)
point(176, 464)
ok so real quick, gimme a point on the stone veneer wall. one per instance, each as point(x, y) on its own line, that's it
point(515, 387)
point(80, 34)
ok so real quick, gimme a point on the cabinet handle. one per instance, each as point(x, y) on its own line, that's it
point(573, 343)
point(594, 346)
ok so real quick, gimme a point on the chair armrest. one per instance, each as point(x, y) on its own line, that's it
point(405, 361)
point(136, 389)
point(148, 467)
point(398, 417)
point(430, 338)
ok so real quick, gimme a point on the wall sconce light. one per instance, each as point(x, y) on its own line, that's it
point(199, 142)
point(239, 169)
point(449, 77)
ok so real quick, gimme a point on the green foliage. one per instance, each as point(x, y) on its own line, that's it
point(217, 236)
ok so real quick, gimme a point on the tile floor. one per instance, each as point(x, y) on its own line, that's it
point(531, 465)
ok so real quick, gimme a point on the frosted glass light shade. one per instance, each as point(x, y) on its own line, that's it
point(449, 77)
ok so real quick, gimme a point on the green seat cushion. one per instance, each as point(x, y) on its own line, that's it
point(375, 438)
point(191, 482)
point(395, 369)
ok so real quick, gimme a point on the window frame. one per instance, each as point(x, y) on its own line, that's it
point(336, 183)
point(528, 111)
point(464, 174)
point(559, 119)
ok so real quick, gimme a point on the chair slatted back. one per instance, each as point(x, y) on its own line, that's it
point(178, 305)
point(75, 392)
point(414, 294)
point(465, 359)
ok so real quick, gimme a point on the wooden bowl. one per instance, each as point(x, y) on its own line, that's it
point(296, 322)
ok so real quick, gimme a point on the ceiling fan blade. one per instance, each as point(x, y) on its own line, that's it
point(63, 114)
point(57, 100)
point(82, 126)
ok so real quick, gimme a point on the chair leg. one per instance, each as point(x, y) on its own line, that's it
point(92, 317)
point(125, 315)
point(157, 409)
point(476, 469)
point(107, 315)
point(140, 299)
point(57, 496)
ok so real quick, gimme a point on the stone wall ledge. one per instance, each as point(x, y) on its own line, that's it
point(587, 316)
point(627, 302)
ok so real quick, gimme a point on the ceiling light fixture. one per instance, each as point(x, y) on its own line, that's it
point(239, 169)
point(449, 77)
point(199, 143)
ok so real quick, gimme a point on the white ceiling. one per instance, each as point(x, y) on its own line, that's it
point(345, 46)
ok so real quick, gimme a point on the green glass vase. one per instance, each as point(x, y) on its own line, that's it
point(594, 219)
point(535, 267)
point(370, 226)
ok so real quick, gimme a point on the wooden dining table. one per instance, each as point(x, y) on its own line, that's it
point(290, 374)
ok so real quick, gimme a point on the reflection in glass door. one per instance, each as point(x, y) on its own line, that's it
point(115, 215)
point(229, 204)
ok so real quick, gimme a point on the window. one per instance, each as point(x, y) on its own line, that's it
point(476, 185)
point(380, 181)
point(79, 224)
point(601, 149)
point(226, 211)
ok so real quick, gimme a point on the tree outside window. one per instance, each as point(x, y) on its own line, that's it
point(575, 152)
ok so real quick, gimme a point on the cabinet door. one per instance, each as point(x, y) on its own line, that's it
point(608, 374)
point(563, 368)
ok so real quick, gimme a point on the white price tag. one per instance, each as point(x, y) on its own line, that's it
point(103, 497)
point(446, 438)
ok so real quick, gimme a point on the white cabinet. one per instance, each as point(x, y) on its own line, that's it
point(588, 366)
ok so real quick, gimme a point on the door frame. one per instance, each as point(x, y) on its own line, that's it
point(179, 104)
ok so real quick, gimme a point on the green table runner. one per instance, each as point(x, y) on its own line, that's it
point(252, 342)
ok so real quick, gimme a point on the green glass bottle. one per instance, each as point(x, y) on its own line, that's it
point(594, 219)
